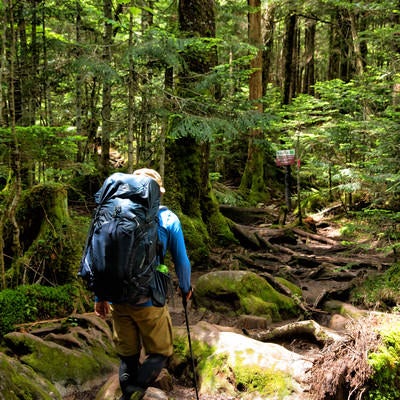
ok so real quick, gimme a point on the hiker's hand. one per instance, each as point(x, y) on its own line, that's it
point(101, 308)
point(186, 296)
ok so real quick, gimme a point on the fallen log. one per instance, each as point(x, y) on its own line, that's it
point(318, 238)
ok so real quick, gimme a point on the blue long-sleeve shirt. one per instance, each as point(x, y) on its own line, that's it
point(171, 236)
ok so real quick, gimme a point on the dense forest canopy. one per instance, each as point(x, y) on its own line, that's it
point(204, 92)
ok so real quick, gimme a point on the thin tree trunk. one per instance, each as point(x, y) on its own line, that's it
point(79, 87)
point(269, 27)
point(33, 89)
point(253, 176)
point(3, 61)
point(15, 155)
point(334, 48)
point(107, 99)
point(46, 91)
point(356, 45)
point(289, 65)
point(146, 150)
point(309, 51)
point(131, 101)
point(3, 64)
point(168, 87)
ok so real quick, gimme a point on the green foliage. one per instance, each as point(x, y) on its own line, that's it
point(386, 365)
point(48, 152)
point(33, 302)
point(379, 291)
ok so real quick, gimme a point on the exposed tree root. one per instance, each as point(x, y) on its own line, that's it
point(341, 371)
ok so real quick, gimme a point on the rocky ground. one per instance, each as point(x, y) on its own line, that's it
point(313, 258)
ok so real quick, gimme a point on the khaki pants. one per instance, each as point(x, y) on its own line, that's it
point(134, 326)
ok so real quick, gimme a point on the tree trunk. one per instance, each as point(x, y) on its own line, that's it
point(146, 150)
point(78, 87)
point(268, 39)
point(309, 65)
point(131, 102)
point(340, 59)
point(196, 18)
point(356, 45)
point(253, 177)
point(106, 106)
point(46, 91)
point(289, 65)
point(168, 88)
point(15, 162)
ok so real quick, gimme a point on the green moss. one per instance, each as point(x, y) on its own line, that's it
point(21, 382)
point(52, 240)
point(385, 381)
point(254, 305)
point(242, 292)
point(266, 382)
point(254, 284)
point(57, 363)
point(379, 290)
point(219, 228)
point(31, 302)
point(216, 375)
point(196, 238)
point(294, 289)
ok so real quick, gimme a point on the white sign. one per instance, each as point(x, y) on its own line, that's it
point(285, 153)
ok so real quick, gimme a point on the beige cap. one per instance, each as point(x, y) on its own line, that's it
point(151, 173)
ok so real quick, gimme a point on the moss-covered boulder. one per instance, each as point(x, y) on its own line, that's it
point(242, 292)
point(74, 354)
point(19, 381)
point(232, 364)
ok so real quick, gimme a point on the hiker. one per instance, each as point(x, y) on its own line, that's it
point(143, 323)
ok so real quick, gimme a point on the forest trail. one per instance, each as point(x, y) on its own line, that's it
point(312, 256)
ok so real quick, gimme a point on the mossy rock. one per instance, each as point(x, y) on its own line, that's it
point(71, 354)
point(242, 292)
point(19, 381)
point(233, 364)
point(294, 289)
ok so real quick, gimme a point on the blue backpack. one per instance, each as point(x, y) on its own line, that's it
point(122, 250)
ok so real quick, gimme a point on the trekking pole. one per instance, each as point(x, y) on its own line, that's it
point(190, 345)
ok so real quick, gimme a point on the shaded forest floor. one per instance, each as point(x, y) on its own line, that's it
point(312, 256)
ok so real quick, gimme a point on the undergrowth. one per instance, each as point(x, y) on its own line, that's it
point(29, 303)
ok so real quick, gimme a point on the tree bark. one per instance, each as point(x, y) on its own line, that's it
point(106, 97)
point(145, 145)
point(253, 177)
point(268, 44)
point(131, 102)
point(15, 162)
point(289, 51)
point(309, 50)
point(196, 19)
point(340, 59)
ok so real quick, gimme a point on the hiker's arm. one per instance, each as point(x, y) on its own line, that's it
point(179, 256)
